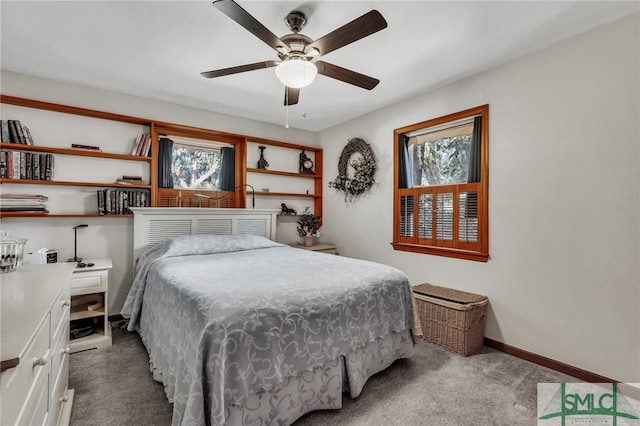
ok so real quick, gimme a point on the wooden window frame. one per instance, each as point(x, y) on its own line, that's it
point(476, 251)
point(180, 197)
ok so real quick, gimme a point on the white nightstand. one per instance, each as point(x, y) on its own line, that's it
point(90, 304)
point(321, 247)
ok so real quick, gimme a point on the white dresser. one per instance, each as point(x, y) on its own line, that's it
point(34, 345)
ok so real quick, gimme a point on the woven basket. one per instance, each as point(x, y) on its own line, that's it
point(451, 318)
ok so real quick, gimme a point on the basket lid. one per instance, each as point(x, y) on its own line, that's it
point(448, 293)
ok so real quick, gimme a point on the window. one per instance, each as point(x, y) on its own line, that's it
point(441, 186)
point(195, 166)
point(198, 168)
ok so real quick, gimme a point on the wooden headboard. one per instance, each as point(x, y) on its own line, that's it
point(152, 225)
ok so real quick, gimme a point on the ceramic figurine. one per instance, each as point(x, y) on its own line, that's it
point(262, 163)
point(286, 210)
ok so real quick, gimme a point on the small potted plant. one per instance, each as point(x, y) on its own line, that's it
point(308, 226)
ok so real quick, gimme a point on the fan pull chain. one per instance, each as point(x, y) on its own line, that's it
point(286, 106)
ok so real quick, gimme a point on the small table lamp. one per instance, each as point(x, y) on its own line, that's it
point(75, 243)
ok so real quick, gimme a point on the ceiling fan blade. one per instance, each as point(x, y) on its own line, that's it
point(240, 68)
point(348, 76)
point(251, 24)
point(361, 27)
point(291, 96)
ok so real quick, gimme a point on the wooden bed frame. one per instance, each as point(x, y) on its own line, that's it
point(152, 225)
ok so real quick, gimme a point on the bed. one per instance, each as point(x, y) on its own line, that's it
point(243, 330)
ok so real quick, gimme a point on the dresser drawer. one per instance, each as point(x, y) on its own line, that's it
point(59, 351)
point(60, 311)
point(89, 282)
point(59, 385)
point(21, 381)
point(36, 409)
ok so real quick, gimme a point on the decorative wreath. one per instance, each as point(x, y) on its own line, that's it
point(364, 169)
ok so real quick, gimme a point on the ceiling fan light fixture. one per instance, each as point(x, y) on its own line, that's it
point(296, 72)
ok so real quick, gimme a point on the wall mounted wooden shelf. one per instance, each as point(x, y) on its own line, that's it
point(280, 173)
point(41, 214)
point(288, 194)
point(155, 128)
point(74, 183)
point(71, 151)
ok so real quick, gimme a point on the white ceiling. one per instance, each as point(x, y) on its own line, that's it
point(157, 49)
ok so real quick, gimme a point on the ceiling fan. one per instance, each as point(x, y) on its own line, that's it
point(298, 65)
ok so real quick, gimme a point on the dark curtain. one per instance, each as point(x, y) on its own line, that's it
point(165, 151)
point(404, 168)
point(227, 177)
point(474, 152)
point(474, 167)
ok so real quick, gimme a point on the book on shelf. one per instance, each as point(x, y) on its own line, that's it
point(24, 203)
point(13, 131)
point(24, 209)
point(23, 165)
point(142, 145)
point(101, 196)
point(28, 170)
point(3, 164)
point(130, 181)
point(146, 150)
point(26, 165)
point(49, 165)
point(38, 197)
point(23, 140)
point(118, 201)
point(43, 166)
point(136, 144)
point(15, 156)
point(86, 147)
point(5, 131)
point(27, 135)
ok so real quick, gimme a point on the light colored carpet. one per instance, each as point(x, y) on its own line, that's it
point(113, 386)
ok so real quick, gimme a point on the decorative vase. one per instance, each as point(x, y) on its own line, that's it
point(308, 241)
point(12, 250)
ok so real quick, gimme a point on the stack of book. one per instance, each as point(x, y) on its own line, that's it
point(130, 180)
point(15, 132)
point(142, 145)
point(26, 165)
point(24, 203)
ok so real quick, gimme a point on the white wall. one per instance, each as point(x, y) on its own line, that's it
point(112, 237)
point(563, 278)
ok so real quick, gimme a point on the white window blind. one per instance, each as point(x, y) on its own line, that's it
point(197, 144)
point(468, 217)
point(425, 216)
point(444, 216)
point(406, 216)
point(449, 130)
